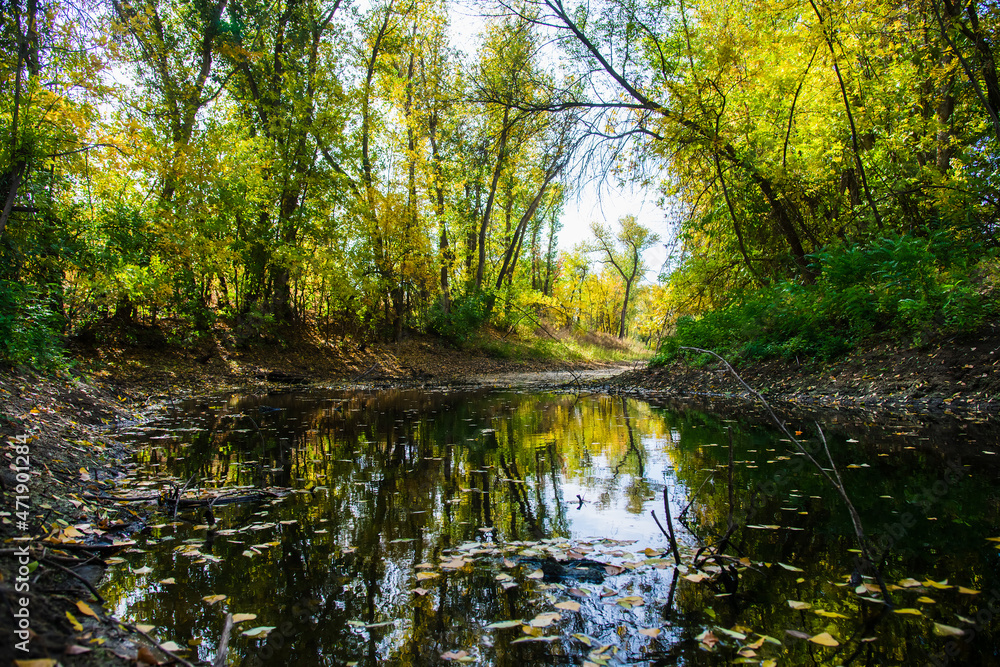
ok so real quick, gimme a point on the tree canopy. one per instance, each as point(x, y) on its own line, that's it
point(354, 169)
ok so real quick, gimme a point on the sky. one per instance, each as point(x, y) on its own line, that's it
point(593, 201)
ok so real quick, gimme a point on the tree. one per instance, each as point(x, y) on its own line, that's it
point(623, 251)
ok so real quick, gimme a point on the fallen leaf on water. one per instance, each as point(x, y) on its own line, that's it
point(798, 634)
point(631, 601)
point(941, 585)
point(258, 632)
point(503, 625)
point(708, 639)
point(454, 655)
point(579, 592)
point(170, 646)
point(551, 638)
point(75, 623)
point(908, 583)
point(650, 632)
point(732, 633)
point(908, 610)
point(942, 630)
point(423, 576)
point(926, 600)
point(824, 639)
point(421, 591)
point(697, 577)
point(168, 581)
point(145, 627)
point(828, 614)
point(545, 620)
point(791, 568)
point(85, 609)
point(568, 605)
point(239, 618)
point(967, 591)
point(589, 641)
point(40, 662)
point(143, 570)
point(537, 574)
point(212, 599)
point(799, 606)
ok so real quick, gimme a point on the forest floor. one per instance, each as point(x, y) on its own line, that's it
point(61, 425)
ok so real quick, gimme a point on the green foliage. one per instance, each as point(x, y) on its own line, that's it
point(29, 328)
point(905, 287)
point(467, 315)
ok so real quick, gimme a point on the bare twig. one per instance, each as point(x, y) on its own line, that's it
point(836, 482)
point(694, 496)
point(77, 576)
point(223, 650)
point(177, 498)
point(670, 527)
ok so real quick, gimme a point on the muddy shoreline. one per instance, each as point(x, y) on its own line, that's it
point(65, 424)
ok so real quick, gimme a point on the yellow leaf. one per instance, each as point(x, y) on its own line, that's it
point(85, 609)
point(908, 610)
point(824, 639)
point(40, 662)
point(568, 605)
point(650, 632)
point(967, 591)
point(799, 606)
point(212, 599)
point(75, 623)
point(239, 618)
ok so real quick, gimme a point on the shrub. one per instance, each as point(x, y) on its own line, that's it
point(897, 285)
point(30, 328)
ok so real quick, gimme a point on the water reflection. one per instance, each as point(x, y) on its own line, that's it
point(387, 485)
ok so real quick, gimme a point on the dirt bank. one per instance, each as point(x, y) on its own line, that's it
point(962, 373)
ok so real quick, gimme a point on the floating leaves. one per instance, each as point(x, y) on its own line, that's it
point(544, 620)
point(568, 605)
point(824, 639)
point(239, 618)
point(212, 599)
point(942, 630)
point(799, 606)
point(259, 632)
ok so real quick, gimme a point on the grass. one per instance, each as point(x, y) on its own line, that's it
point(547, 344)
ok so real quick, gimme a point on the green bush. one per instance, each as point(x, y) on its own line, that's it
point(901, 286)
point(466, 316)
point(30, 328)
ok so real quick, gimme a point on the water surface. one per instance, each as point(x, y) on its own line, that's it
point(409, 521)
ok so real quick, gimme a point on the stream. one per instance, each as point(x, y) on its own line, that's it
point(513, 527)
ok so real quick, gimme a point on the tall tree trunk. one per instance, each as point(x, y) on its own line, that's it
point(484, 226)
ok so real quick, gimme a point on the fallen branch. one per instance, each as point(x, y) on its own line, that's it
point(837, 483)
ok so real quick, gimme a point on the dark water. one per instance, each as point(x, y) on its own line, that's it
point(526, 497)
